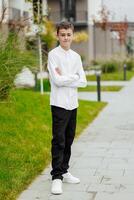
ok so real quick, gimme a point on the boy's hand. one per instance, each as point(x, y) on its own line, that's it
point(58, 71)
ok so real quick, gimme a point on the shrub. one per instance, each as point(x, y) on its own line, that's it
point(81, 36)
point(12, 60)
point(94, 62)
point(109, 67)
point(49, 38)
point(130, 64)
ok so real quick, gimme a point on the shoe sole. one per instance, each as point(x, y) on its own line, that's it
point(54, 193)
point(65, 181)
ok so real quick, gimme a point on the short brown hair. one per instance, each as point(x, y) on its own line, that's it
point(64, 25)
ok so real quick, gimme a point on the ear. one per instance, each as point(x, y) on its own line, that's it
point(57, 37)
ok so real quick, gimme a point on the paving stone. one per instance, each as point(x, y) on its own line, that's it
point(118, 179)
point(73, 196)
point(111, 196)
point(108, 172)
point(106, 188)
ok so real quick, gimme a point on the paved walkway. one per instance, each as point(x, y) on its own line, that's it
point(110, 83)
point(103, 157)
point(92, 96)
point(105, 96)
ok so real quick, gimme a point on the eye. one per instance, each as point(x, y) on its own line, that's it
point(69, 34)
point(62, 34)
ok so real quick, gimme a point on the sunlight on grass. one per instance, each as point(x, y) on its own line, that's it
point(117, 76)
point(91, 88)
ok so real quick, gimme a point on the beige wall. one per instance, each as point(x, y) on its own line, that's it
point(81, 10)
point(106, 46)
point(54, 8)
point(53, 5)
point(81, 5)
point(83, 47)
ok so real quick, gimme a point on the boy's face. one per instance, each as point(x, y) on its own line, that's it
point(65, 37)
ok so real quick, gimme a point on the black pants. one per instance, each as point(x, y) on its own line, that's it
point(63, 129)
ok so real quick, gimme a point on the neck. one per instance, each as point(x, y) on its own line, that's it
point(65, 48)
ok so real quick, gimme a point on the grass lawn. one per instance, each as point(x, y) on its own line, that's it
point(25, 138)
point(118, 76)
point(88, 88)
point(92, 88)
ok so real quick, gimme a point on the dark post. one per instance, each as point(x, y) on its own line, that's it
point(98, 78)
point(36, 81)
point(125, 72)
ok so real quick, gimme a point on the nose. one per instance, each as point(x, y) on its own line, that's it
point(65, 36)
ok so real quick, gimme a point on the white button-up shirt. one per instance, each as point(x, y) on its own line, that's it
point(64, 87)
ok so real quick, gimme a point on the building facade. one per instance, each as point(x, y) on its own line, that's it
point(102, 44)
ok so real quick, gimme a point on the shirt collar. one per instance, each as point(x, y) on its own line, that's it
point(63, 50)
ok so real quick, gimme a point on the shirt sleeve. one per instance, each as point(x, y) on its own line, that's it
point(82, 82)
point(59, 80)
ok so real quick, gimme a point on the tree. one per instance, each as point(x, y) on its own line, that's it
point(104, 18)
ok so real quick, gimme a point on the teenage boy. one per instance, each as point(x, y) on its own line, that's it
point(66, 75)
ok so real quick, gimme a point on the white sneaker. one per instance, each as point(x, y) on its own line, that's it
point(68, 178)
point(56, 186)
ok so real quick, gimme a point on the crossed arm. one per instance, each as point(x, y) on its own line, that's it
point(75, 80)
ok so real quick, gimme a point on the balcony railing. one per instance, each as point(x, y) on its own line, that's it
point(81, 17)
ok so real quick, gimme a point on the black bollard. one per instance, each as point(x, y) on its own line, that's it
point(36, 82)
point(125, 72)
point(98, 79)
